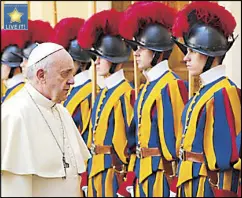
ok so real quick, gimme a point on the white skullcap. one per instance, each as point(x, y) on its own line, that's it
point(42, 51)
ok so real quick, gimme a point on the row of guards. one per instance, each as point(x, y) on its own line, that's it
point(171, 160)
point(137, 77)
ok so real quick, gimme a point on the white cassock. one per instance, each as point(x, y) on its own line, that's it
point(32, 162)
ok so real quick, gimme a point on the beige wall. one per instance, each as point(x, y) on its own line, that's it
point(233, 56)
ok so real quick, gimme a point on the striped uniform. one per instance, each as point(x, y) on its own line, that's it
point(15, 84)
point(156, 124)
point(78, 103)
point(212, 127)
point(110, 120)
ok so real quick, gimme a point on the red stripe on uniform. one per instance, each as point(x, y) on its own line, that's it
point(183, 91)
point(230, 118)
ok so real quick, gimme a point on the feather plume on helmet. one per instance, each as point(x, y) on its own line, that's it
point(66, 30)
point(39, 31)
point(140, 14)
point(102, 23)
point(205, 12)
point(100, 35)
point(205, 27)
point(13, 37)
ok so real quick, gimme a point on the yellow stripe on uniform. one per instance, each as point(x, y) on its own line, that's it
point(109, 183)
point(158, 185)
point(85, 114)
point(89, 188)
point(132, 162)
point(188, 188)
point(227, 181)
point(98, 184)
point(14, 91)
point(128, 107)
point(78, 97)
point(200, 189)
point(208, 136)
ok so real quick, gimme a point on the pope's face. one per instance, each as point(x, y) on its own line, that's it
point(59, 78)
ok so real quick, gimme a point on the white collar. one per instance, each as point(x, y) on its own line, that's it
point(156, 71)
point(212, 74)
point(114, 79)
point(9, 83)
point(81, 78)
point(38, 97)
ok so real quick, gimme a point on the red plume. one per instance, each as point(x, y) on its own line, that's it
point(40, 31)
point(66, 30)
point(13, 37)
point(140, 14)
point(209, 13)
point(106, 21)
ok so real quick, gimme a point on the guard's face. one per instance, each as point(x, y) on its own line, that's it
point(143, 57)
point(59, 78)
point(195, 62)
point(102, 66)
point(23, 66)
point(79, 64)
point(5, 70)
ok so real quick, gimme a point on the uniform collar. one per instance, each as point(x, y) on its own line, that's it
point(81, 78)
point(156, 71)
point(212, 74)
point(14, 81)
point(114, 79)
point(38, 97)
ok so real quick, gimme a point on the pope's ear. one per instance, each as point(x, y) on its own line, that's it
point(41, 75)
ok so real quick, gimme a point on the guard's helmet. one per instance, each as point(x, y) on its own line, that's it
point(11, 43)
point(150, 25)
point(65, 34)
point(205, 27)
point(39, 31)
point(101, 36)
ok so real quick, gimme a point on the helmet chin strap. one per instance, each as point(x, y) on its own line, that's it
point(156, 56)
point(10, 75)
point(112, 68)
point(208, 63)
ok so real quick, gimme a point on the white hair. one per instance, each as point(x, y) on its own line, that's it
point(44, 64)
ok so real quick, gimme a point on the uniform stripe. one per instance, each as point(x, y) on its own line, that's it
point(200, 191)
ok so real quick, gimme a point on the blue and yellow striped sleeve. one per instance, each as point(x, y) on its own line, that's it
point(221, 134)
point(169, 111)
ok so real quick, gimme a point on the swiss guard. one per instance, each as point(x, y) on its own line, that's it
point(157, 110)
point(210, 146)
point(112, 111)
point(78, 102)
point(12, 41)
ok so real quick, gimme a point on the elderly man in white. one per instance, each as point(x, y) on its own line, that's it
point(42, 151)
